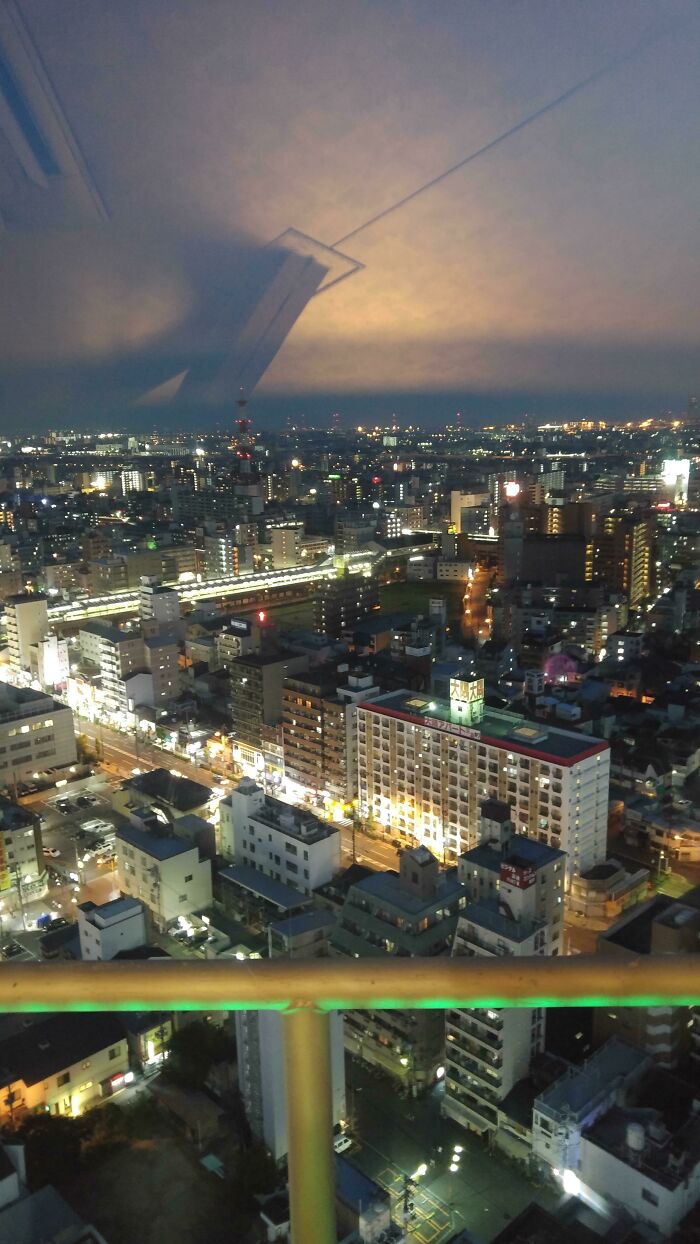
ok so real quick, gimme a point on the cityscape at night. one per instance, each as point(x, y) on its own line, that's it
point(349, 623)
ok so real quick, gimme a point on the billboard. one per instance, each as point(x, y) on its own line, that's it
point(676, 474)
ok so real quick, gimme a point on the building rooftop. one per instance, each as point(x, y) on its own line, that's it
point(181, 793)
point(160, 845)
point(115, 909)
point(522, 852)
point(305, 922)
point(41, 1218)
point(44, 1049)
point(387, 887)
point(488, 915)
point(283, 896)
point(104, 630)
point(668, 1155)
point(634, 932)
point(498, 727)
point(575, 1092)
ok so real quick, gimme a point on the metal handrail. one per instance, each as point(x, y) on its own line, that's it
point(306, 991)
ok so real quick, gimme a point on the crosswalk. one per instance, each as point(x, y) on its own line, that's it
point(429, 1222)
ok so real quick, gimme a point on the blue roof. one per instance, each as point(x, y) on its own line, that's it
point(283, 896)
point(387, 885)
point(534, 854)
point(354, 1188)
point(305, 922)
point(161, 848)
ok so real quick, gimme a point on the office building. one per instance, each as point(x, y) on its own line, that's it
point(283, 842)
point(36, 733)
point(27, 619)
point(515, 891)
point(412, 912)
point(426, 765)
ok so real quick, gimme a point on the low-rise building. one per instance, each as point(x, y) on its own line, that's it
point(105, 929)
point(284, 843)
point(62, 1065)
point(161, 870)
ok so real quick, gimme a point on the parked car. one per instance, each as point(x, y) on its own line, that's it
point(52, 852)
point(11, 950)
point(342, 1143)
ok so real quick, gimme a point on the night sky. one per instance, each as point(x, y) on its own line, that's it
point(557, 273)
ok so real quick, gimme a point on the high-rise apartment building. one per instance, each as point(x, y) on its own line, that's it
point(286, 546)
point(260, 1045)
point(623, 556)
point(412, 912)
point(426, 765)
point(27, 619)
point(257, 679)
point(515, 907)
point(314, 731)
point(339, 604)
point(116, 654)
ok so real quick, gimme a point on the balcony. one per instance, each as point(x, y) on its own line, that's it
point(306, 991)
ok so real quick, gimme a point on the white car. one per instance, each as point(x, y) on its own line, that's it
point(342, 1143)
point(52, 852)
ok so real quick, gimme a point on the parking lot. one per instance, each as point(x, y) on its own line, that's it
point(77, 828)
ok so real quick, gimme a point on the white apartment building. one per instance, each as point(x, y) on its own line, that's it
point(162, 604)
point(259, 1042)
point(514, 907)
point(284, 843)
point(116, 654)
point(36, 733)
point(27, 619)
point(425, 766)
point(107, 928)
point(165, 873)
point(51, 662)
point(21, 857)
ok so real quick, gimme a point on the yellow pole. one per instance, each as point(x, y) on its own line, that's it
point(311, 1160)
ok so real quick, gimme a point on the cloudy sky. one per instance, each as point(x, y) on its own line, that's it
point(559, 271)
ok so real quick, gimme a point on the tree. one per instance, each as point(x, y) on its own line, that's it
point(255, 1173)
point(52, 1145)
point(193, 1051)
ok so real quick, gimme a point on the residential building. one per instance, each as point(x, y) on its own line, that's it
point(36, 733)
point(169, 796)
point(162, 661)
point(62, 1065)
point(234, 640)
point(426, 765)
point(283, 842)
point(161, 870)
point(157, 603)
point(260, 1044)
point(286, 546)
point(574, 1101)
point(257, 679)
point(662, 925)
point(106, 929)
point(314, 732)
point(623, 556)
point(27, 619)
point(412, 912)
point(515, 891)
point(340, 603)
point(21, 858)
point(115, 654)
